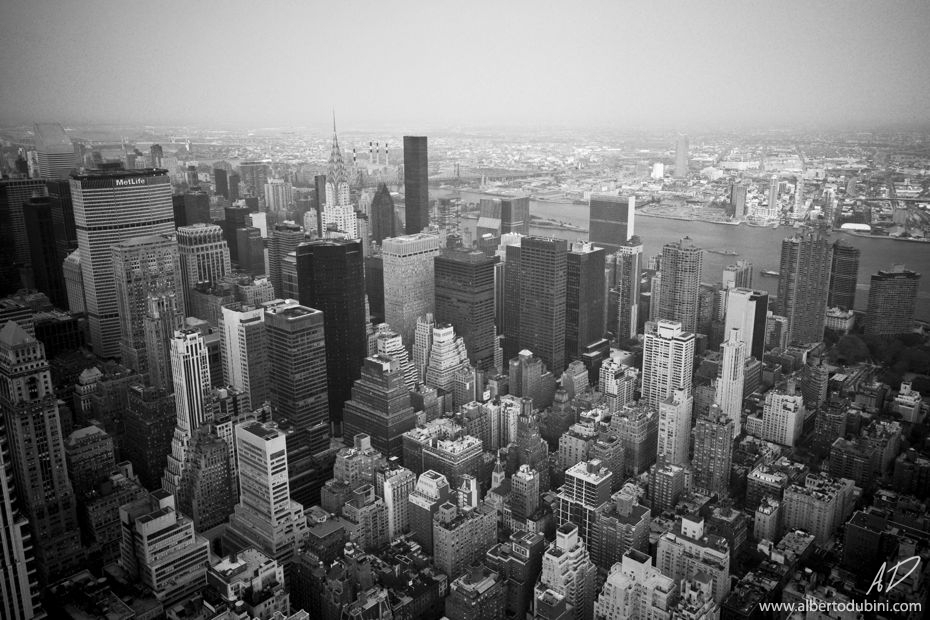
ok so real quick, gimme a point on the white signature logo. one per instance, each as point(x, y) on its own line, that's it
point(879, 582)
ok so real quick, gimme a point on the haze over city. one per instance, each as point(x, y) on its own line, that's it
point(625, 64)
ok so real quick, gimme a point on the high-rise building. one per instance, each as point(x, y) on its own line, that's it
point(819, 505)
point(461, 536)
point(14, 193)
point(567, 570)
point(688, 549)
point(383, 219)
point(625, 289)
point(681, 281)
point(111, 206)
point(279, 195)
point(416, 185)
point(220, 182)
point(747, 310)
point(585, 298)
point(148, 429)
point(204, 256)
point(738, 275)
point(284, 239)
point(713, 452)
point(843, 275)
point(380, 406)
point(464, 294)
point(245, 351)
point(54, 150)
point(732, 378)
point(738, 192)
point(203, 493)
point(479, 593)
point(783, 415)
point(59, 191)
point(587, 488)
point(804, 284)
point(145, 267)
point(331, 278)
point(47, 272)
point(892, 300)
point(298, 388)
point(635, 589)
point(681, 157)
point(431, 491)
point(675, 427)
point(611, 220)
point(668, 361)
point(254, 175)
point(409, 281)
point(445, 357)
point(37, 451)
point(394, 484)
point(541, 300)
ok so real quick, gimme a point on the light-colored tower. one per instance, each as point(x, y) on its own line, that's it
point(668, 361)
point(423, 343)
point(204, 256)
point(681, 281)
point(279, 194)
point(446, 356)
point(783, 415)
point(408, 281)
point(110, 206)
point(567, 569)
point(394, 484)
point(635, 589)
point(144, 267)
point(164, 315)
point(675, 427)
point(626, 288)
point(54, 150)
point(746, 310)
point(389, 343)
point(730, 382)
point(244, 347)
point(688, 549)
point(681, 157)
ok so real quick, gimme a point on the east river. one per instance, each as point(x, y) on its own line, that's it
point(759, 245)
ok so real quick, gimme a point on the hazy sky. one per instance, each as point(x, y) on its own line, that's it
point(627, 64)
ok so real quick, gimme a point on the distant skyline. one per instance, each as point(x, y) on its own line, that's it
point(416, 65)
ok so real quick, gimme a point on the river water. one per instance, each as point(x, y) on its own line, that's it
point(760, 245)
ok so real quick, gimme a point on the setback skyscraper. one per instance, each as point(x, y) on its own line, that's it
point(465, 299)
point(416, 185)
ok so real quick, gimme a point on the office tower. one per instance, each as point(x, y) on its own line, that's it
point(383, 219)
point(567, 569)
point(190, 371)
point(54, 150)
point(14, 193)
point(446, 355)
point(37, 452)
point(196, 207)
point(462, 536)
point(713, 452)
point(738, 275)
point(542, 299)
point(254, 175)
point(19, 597)
point(585, 298)
point(587, 488)
point(156, 153)
point(59, 191)
point(380, 406)
point(738, 200)
point(111, 206)
point(367, 514)
point(503, 216)
point(389, 344)
point(892, 300)
point(148, 429)
point(331, 279)
point(637, 426)
point(803, 285)
point(746, 310)
point(819, 505)
point(612, 219)
point(233, 187)
point(681, 157)
point(636, 589)
point(464, 295)
point(422, 344)
point(626, 289)
point(47, 272)
point(666, 485)
point(675, 427)
point(783, 415)
point(621, 525)
point(279, 195)
point(479, 593)
point(409, 281)
point(731, 380)
point(518, 561)
point(220, 183)
point(245, 351)
point(431, 491)
point(203, 493)
point(144, 267)
point(416, 185)
point(204, 256)
point(90, 457)
point(265, 517)
point(250, 250)
point(843, 275)
point(681, 280)
point(296, 349)
point(668, 361)
point(284, 239)
point(394, 484)
point(161, 550)
point(688, 549)
point(234, 219)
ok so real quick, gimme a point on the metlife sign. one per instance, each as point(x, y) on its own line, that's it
point(129, 182)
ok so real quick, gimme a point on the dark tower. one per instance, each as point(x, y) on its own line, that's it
point(465, 298)
point(843, 275)
point(543, 263)
point(59, 191)
point(233, 187)
point(46, 266)
point(416, 184)
point(330, 275)
point(221, 182)
point(319, 200)
point(611, 221)
point(382, 215)
point(585, 298)
point(803, 285)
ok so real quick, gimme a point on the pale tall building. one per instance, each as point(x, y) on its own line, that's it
point(244, 347)
point(818, 506)
point(626, 287)
point(394, 484)
point(567, 569)
point(732, 378)
point(423, 342)
point(746, 310)
point(682, 263)
point(204, 256)
point(164, 314)
point(109, 207)
point(390, 343)
point(675, 427)
point(668, 361)
point(783, 415)
point(409, 282)
point(738, 275)
point(635, 589)
point(688, 549)
point(681, 156)
point(279, 194)
point(54, 151)
point(145, 267)
point(446, 356)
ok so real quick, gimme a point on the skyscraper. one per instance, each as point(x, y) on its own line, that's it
point(567, 570)
point(204, 256)
point(144, 267)
point(331, 278)
point(383, 219)
point(409, 281)
point(54, 150)
point(111, 206)
point(380, 406)
point(843, 275)
point(47, 272)
point(668, 361)
point(746, 310)
point(245, 351)
point(254, 176)
point(688, 549)
point(37, 452)
point(220, 182)
point(416, 185)
point(14, 193)
point(675, 427)
point(713, 452)
point(681, 157)
point(611, 220)
point(738, 275)
point(542, 299)
point(587, 488)
point(681, 281)
point(585, 298)
point(297, 369)
point(464, 296)
point(803, 285)
point(284, 239)
point(730, 382)
point(892, 300)
point(625, 291)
